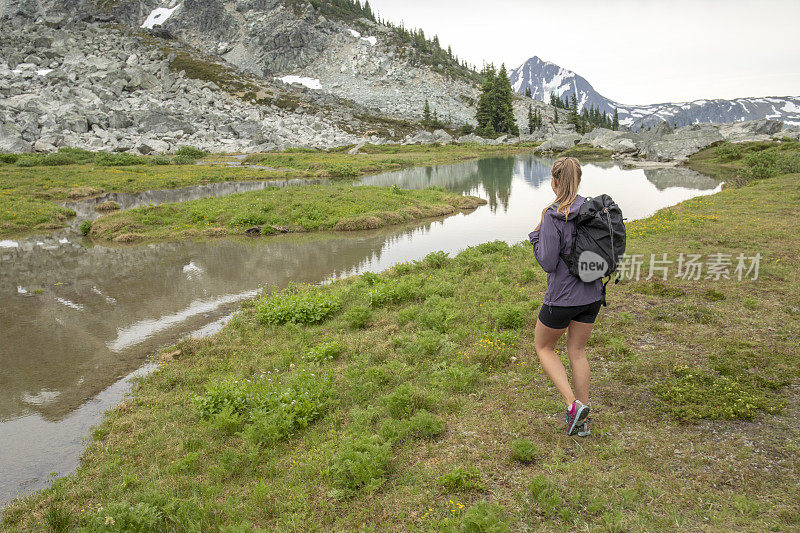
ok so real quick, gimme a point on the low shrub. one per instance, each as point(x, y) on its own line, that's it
point(85, 227)
point(190, 151)
point(492, 351)
point(266, 410)
point(425, 425)
point(484, 517)
point(8, 158)
point(462, 479)
point(324, 352)
point(494, 247)
point(456, 377)
point(183, 160)
point(343, 170)
point(358, 317)
point(436, 314)
point(30, 160)
point(118, 159)
point(159, 160)
point(436, 260)
point(305, 306)
point(360, 464)
point(511, 316)
point(728, 152)
point(524, 450)
point(393, 291)
point(406, 400)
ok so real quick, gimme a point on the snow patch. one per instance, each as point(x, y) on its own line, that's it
point(355, 34)
point(159, 16)
point(371, 40)
point(9, 244)
point(44, 71)
point(791, 107)
point(311, 83)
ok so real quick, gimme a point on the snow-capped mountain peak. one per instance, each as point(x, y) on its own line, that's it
point(543, 78)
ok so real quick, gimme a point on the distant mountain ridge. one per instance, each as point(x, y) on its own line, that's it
point(543, 78)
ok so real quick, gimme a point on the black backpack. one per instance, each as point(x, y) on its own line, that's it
point(598, 241)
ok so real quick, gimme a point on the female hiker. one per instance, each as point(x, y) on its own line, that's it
point(570, 305)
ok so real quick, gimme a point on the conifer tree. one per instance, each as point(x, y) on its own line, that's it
point(426, 114)
point(486, 112)
point(615, 121)
point(505, 121)
point(555, 116)
point(531, 119)
point(528, 92)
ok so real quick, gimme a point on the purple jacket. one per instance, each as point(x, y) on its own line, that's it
point(549, 242)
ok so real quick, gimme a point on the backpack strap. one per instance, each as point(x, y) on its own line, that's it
point(603, 293)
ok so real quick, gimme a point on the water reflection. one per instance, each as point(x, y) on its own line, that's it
point(87, 208)
point(75, 317)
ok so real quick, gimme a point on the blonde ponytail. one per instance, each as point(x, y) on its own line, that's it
point(566, 174)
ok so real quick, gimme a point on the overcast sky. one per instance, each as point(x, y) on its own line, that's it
point(634, 52)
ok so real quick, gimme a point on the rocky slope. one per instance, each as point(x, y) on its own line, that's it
point(544, 78)
point(235, 75)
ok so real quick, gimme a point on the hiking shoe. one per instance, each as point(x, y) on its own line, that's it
point(576, 415)
point(583, 429)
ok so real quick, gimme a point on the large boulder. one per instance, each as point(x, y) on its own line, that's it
point(471, 139)
point(618, 141)
point(149, 146)
point(752, 130)
point(12, 141)
point(422, 137)
point(559, 143)
point(155, 122)
point(442, 136)
point(678, 146)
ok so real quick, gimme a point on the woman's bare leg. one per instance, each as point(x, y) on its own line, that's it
point(545, 340)
point(577, 336)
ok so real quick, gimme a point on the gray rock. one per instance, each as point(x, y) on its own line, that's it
point(684, 142)
point(559, 143)
point(12, 141)
point(471, 139)
point(752, 130)
point(42, 146)
point(442, 136)
point(74, 122)
point(354, 150)
point(153, 146)
point(618, 141)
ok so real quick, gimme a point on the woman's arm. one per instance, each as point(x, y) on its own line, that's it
point(546, 240)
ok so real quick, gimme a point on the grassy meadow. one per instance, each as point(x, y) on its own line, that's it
point(299, 208)
point(31, 183)
point(412, 400)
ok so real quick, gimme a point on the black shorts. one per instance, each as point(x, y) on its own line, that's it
point(558, 317)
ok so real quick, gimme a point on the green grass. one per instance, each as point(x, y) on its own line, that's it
point(742, 163)
point(300, 208)
point(27, 192)
point(394, 422)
